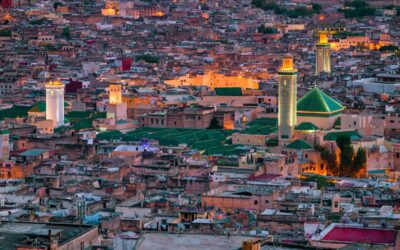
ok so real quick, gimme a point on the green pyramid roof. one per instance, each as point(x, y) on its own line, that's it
point(316, 101)
point(299, 144)
point(306, 126)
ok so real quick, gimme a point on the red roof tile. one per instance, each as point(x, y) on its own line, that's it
point(360, 235)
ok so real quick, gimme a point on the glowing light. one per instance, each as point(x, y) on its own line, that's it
point(108, 12)
point(159, 14)
point(287, 63)
point(323, 38)
point(55, 83)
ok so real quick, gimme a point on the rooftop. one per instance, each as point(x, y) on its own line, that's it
point(190, 241)
point(358, 234)
point(316, 101)
point(17, 232)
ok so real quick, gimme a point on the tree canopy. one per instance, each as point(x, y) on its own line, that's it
point(267, 30)
point(357, 9)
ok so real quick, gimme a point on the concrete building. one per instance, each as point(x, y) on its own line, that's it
point(42, 236)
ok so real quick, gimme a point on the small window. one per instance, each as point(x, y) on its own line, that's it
point(266, 201)
point(255, 202)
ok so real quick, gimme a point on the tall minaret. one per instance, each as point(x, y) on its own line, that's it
point(116, 108)
point(55, 102)
point(287, 100)
point(323, 58)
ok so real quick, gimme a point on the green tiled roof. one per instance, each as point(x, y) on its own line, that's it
point(209, 140)
point(33, 152)
point(228, 91)
point(316, 101)
point(262, 126)
point(306, 126)
point(4, 132)
point(109, 135)
point(299, 144)
point(41, 107)
point(332, 136)
point(272, 142)
point(273, 122)
point(83, 124)
point(14, 112)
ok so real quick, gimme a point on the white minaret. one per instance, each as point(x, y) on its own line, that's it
point(287, 100)
point(116, 108)
point(55, 102)
point(323, 57)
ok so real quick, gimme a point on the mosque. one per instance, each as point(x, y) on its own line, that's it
point(315, 110)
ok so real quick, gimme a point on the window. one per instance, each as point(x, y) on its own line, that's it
point(306, 156)
point(397, 155)
point(355, 123)
point(255, 202)
point(336, 204)
point(322, 166)
point(266, 201)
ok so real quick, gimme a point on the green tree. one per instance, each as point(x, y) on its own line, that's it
point(299, 12)
point(388, 48)
point(330, 158)
point(360, 161)
point(56, 4)
point(322, 181)
point(316, 7)
point(346, 155)
point(66, 33)
point(214, 124)
point(266, 30)
point(5, 33)
point(358, 9)
point(148, 58)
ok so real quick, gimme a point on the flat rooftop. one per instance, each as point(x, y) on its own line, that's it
point(15, 233)
point(167, 241)
point(361, 235)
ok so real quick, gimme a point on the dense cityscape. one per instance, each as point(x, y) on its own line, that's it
point(199, 124)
